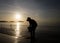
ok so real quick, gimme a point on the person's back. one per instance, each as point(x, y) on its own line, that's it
point(33, 23)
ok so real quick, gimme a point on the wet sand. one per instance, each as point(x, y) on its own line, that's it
point(44, 34)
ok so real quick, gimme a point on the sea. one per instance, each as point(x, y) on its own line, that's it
point(16, 32)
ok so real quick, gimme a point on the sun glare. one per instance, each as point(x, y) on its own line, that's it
point(18, 16)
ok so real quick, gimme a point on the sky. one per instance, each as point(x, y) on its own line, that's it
point(40, 10)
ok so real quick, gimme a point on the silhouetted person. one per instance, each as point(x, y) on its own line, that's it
point(32, 27)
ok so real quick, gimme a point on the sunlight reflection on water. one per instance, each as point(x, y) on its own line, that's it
point(17, 30)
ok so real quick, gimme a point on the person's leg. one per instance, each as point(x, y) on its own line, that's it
point(33, 34)
point(32, 38)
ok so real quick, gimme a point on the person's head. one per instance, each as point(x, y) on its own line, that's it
point(28, 19)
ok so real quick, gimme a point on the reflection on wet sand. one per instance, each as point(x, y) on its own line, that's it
point(18, 33)
point(17, 30)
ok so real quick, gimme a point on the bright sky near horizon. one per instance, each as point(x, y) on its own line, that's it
point(40, 10)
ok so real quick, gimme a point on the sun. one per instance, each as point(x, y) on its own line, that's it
point(18, 16)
